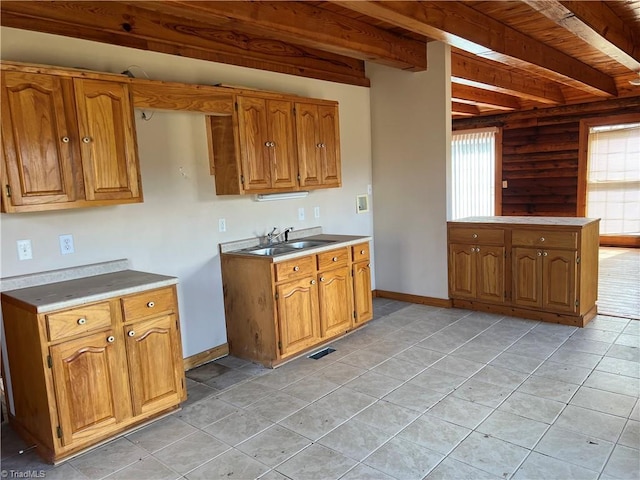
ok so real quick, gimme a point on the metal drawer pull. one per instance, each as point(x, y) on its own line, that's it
point(475, 235)
point(361, 252)
point(296, 268)
point(82, 321)
point(542, 239)
point(322, 279)
point(65, 139)
point(86, 140)
point(313, 282)
point(111, 339)
point(539, 254)
point(335, 259)
point(151, 304)
point(545, 254)
point(131, 333)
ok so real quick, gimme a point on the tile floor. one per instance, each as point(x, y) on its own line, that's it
point(420, 392)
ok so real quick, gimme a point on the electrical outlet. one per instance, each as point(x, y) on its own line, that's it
point(301, 214)
point(66, 244)
point(222, 225)
point(316, 212)
point(24, 250)
point(369, 189)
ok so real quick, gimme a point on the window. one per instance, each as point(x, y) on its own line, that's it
point(613, 178)
point(473, 164)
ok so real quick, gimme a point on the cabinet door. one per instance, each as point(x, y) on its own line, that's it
point(283, 151)
point(330, 146)
point(363, 301)
point(559, 280)
point(155, 364)
point(254, 151)
point(336, 304)
point(108, 143)
point(527, 277)
point(91, 386)
point(39, 139)
point(298, 316)
point(490, 273)
point(309, 151)
point(462, 271)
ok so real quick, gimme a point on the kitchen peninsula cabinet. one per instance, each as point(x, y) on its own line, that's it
point(87, 369)
point(276, 308)
point(544, 268)
point(318, 139)
point(67, 142)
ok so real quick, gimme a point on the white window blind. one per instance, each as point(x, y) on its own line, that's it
point(473, 173)
point(613, 178)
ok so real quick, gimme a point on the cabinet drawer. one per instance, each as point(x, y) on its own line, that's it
point(334, 258)
point(295, 268)
point(148, 303)
point(360, 252)
point(78, 320)
point(542, 239)
point(476, 235)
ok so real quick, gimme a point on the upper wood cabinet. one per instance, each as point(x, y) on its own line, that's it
point(267, 147)
point(274, 144)
point(66, 142)
point(318, 137)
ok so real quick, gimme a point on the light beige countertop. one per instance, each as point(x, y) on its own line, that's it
point(335, 241)
point(71, 293)
point(536, 221)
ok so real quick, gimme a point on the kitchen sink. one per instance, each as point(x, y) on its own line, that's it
point(308, 243)
point(271, 251)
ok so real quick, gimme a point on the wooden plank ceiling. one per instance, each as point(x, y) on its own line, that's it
point(506, 55)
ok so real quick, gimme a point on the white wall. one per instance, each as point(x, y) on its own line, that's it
point(174, 232)
point(411, 143)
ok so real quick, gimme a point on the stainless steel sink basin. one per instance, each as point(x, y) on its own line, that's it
point(271, 251)
point(308, 243)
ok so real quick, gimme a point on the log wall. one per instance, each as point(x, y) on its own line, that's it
point(540, 154)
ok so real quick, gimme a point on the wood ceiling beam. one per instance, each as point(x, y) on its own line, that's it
point(477, 96)
point(127, 25)
point(462, 26)
point(595, 23)
point(493, 76)
point(306, 25)
point(464, 109)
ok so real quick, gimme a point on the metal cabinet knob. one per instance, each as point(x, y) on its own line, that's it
point(539, 254)
point(319, 145)
point(322, 279)
point(86, 139)
point(313, 282)
point(542, 239)
point(65, 139)
point(475, 235)
point(111, 339)
point(151, 304)
point(131, 333)
point(477, 249)
point(296, 268)
point(335, 259)
point(544, 254)
point(361, 252)
point(82, 321)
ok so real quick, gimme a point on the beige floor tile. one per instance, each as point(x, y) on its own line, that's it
point(354, 439)
point(613, 383)
point(631, 435)
point(311, 388)
point(230, 465)
point(146, 469)
point(518, 363)
point(603, 401)
point(274, 445)
point(403, 460)
point(460, 412)
point(276, 406)
point(399, 369)
point(548, 388)
point(364, 472)
point(438, 380)
point(482, 393)
point(500, 376)
point(238, 427)
point(316, 462)
point(434, 433)
point(541, 466)
point(344, 402)
point(450, 469)
point(205, 412)
point(161, 433)
point(312, 421)
point(191, 452)
point(563, 372)
point(575, 448)
point(624, 463)
point(107, 459)
point(591, 423)
point(490, 454)
point(513, 428)
point(535, 408)
point(414, 397)
point(387, 417)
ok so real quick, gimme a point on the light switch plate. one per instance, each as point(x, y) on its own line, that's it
point(316, 212)
point(66, 244)
point(301, 214)
point(222, 225)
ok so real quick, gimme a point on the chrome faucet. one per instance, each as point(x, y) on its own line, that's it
point(273, 236)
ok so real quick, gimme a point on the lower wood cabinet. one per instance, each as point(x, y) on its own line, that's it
point(277, 310)
point(81, 375)
point(535, 267)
